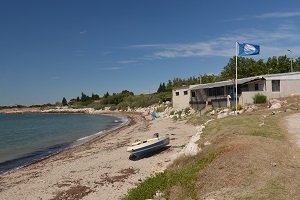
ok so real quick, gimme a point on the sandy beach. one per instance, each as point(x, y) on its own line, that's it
point(98, 169)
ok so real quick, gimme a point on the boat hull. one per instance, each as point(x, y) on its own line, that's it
point(149, 149)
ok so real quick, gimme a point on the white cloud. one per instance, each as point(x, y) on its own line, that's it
point(82, 32)
point(271, 15)
point(278, 15)
point(273, 42)
point(127, 61)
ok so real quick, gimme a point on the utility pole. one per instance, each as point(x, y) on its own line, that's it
point(291, 59)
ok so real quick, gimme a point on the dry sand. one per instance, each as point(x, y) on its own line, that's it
point(99, 169)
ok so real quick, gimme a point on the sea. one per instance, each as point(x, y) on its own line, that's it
point(29, 137)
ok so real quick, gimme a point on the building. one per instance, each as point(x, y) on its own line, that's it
point(216, 94)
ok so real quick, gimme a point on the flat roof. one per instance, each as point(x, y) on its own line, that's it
point(226, 83)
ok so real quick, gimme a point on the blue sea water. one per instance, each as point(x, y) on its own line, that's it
point(28, 137)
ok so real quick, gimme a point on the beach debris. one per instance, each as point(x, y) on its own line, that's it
point(273, 164)
point(154, 115)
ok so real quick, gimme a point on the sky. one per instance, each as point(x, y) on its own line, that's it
point(50, 49)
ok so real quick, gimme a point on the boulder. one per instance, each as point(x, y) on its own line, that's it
point(191, 149)
point(275, 106)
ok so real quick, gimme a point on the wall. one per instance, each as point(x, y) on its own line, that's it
point(287, 88)
point(182, 101)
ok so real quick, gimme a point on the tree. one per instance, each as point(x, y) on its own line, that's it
point(161, 88)
point(106, 95)
point(95, 96)
point(64, 102)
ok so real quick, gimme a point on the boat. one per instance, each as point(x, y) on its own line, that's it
point(140, 149)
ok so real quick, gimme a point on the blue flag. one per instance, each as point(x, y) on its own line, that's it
point(246, 49)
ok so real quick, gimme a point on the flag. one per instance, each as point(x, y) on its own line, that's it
point(246, 49)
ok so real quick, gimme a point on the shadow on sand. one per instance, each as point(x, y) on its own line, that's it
point(134, 158)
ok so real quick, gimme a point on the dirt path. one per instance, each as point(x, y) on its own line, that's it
point(293, 125)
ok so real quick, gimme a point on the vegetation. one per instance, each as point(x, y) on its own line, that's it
point(64, 102)
point(259, 98)
point(184, 177)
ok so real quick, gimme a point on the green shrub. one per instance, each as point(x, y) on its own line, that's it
point(259, 98)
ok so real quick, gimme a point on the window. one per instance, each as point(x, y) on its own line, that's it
point(218, 91)
point(275, 85)
point(256, 87)
point(193, 94)
point(177, 93)
point(185, 92)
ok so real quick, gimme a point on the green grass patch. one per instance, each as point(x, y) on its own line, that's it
point(185, 177)
point(254, 124)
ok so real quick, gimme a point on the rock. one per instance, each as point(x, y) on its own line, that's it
point(207, 143)
point(222, 115)
point(275, 106)
point(274, 164)
point(191, 149)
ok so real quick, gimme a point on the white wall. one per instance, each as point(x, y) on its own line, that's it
point(182, 101)
point(287, 88)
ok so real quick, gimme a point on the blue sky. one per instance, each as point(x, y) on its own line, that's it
point(52, 49)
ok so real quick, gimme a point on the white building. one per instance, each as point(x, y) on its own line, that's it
point(215, 94)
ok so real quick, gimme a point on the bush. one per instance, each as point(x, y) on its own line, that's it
point(239, 107)
point(259, 98)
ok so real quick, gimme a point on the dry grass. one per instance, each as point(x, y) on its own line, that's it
point(261, 164)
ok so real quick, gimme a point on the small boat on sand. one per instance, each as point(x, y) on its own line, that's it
point(141, 149)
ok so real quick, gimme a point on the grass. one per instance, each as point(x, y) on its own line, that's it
point(184, 176)
point(273, 190)
point(256, 124)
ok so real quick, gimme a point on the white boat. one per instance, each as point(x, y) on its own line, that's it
point(141, 149)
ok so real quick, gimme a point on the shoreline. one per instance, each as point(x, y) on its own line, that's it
point(25, 160)
point(101, 166)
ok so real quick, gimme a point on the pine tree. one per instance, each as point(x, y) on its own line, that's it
point(64, 102)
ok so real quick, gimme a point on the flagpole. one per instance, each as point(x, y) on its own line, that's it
point(236, 63)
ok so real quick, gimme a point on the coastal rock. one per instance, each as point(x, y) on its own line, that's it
point(275, 106)
point(191, 149)
point(222, 115)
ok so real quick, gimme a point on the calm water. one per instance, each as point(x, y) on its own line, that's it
point(28, 137)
